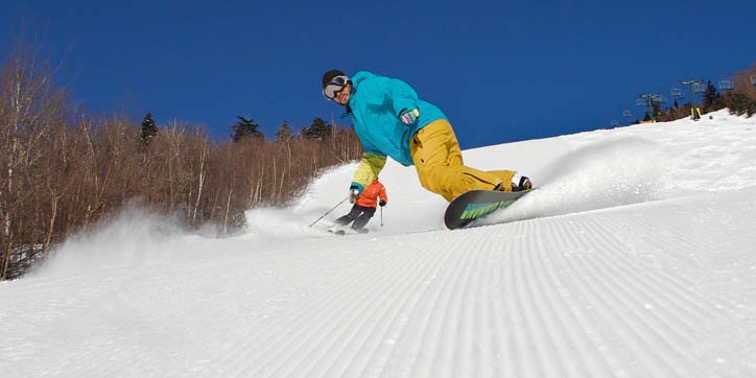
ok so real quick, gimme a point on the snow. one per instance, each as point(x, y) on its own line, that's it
point(635, 258)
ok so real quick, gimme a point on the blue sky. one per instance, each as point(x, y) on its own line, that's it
point(501, 70)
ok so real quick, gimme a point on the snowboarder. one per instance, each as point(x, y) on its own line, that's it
point(364, 206)
point(390, 120)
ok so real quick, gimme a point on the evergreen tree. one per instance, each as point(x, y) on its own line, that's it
point(284, 133)
point(318, 130)
point(149, 130)
point(710, 96)
point(246, 128)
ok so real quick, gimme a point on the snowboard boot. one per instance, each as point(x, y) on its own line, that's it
point(521, 183)
point(518, 183)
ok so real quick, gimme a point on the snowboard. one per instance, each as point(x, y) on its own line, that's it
point(477, 204)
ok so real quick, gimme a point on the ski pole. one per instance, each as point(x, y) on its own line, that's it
point(329, 211)
point(381, 216)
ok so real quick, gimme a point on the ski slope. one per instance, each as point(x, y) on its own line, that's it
point(635, 258)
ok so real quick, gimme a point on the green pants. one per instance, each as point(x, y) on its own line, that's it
point(438, 160)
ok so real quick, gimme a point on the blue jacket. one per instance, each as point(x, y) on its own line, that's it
point(375, 105)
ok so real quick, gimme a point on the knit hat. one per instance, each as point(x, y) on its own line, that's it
point(328, 76)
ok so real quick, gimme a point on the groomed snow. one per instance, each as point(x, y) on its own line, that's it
point(635, 258)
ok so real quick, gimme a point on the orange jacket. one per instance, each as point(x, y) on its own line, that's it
point(369, 196)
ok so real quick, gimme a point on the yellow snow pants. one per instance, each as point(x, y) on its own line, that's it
point(438, 160)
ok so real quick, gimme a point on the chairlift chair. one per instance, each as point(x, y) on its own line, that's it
point(725, 85)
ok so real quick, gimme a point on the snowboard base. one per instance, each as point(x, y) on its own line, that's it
point(477, 204)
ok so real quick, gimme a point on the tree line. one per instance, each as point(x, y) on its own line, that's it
point(62, 170)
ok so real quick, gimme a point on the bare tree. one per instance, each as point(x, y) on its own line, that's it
point(30, 108)
point(62, 170)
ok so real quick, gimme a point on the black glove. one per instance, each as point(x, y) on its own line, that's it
point(382, 203)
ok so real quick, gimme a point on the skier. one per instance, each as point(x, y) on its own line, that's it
point(390, 120)
point(364, 206)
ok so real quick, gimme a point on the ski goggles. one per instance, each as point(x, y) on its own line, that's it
point(335, 87)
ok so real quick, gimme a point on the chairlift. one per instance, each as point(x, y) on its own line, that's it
point(725, 85)
point(652, 97)
point(696, 86)
point(676, 93)
point(614, 123)
point(641, 102)
point(627, 113)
